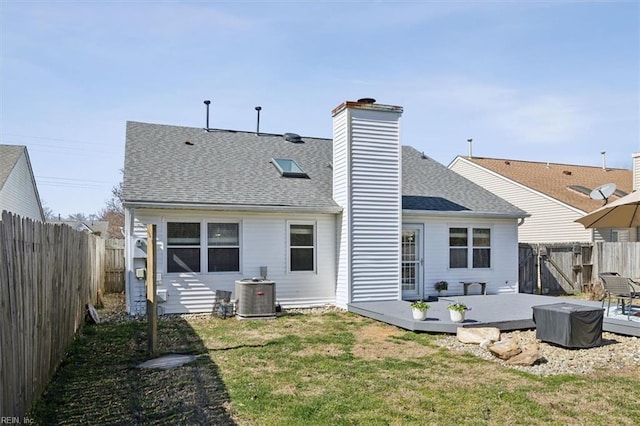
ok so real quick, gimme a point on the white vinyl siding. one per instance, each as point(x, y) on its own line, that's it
point(550, 221)
point(375, 205)
point(263, 242)
point(341, 196)
point(136, 258)
point(501, 277)
point(19, 195)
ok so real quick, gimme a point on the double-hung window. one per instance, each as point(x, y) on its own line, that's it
point(458, 247)
point(223, 247)
point(301, 247)
point(465, 251)
point(183, 247)
point(481, 247)
point(189, 250)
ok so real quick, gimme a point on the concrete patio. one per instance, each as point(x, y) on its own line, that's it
point(505, 311)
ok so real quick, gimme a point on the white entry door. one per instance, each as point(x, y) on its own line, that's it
point(411, 262)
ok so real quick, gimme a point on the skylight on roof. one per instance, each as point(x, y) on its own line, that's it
point(581, 189)
point(289, 168)
point(586, 191)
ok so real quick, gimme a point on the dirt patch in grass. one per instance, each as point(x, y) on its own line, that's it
point(376, 341)
point(323, 349)
point(594, 404)
point(256, 365)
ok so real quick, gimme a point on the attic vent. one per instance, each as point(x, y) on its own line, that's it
point(366, 101)
point(507, 162)
point(566, 172)
point(293, 137)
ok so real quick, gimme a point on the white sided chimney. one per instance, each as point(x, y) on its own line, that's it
point(367, 184)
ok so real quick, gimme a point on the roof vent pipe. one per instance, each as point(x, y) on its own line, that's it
point(258, 109)
point(470, 147)
point(207, 103)
point(604, 160)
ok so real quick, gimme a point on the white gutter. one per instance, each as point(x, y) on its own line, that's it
point(232, 207)
point(463, 213)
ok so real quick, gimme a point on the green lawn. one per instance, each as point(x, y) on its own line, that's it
point(335, 368)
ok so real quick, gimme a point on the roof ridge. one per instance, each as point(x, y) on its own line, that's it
point(542, 162)
point(213, 130)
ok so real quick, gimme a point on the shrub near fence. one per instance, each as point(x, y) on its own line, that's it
point(47, 275)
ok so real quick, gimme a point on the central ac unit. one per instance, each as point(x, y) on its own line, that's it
point(255, 298)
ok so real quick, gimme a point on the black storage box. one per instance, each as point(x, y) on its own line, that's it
point(569, 325)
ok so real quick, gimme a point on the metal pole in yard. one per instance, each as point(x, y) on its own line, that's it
point(539, 270)
point(152, 305)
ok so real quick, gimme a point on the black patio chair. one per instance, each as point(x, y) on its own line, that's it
point(222, 305)
point(618, 287)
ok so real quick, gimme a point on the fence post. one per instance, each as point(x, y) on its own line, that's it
point(152, 306)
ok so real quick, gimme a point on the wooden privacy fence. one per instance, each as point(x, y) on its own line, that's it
point(47, 275)
point(623, 258)
point(570, 267)
point(114, 266)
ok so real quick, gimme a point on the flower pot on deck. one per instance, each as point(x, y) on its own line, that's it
point(456, 316)
point(419, 314)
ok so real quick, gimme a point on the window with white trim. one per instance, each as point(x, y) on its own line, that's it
point(183, 247)
point(301, 247)
point(481, 247)
point(458, 246)
point(203, 247)
point(223, 247)
point(464, 251)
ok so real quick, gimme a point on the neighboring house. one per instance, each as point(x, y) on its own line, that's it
point(357, 218)
point(99, 228)
point(554, 194)
point(18, 190)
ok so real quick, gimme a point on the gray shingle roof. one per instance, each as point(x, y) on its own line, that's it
point(429, 185)
point(223, 167)
point(233, 168)
point(9, 155)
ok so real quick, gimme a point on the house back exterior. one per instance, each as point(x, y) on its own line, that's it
point(356, 218)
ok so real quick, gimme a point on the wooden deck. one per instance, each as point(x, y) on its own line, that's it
point(506, 311)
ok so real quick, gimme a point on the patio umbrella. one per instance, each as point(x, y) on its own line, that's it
point(622, 213)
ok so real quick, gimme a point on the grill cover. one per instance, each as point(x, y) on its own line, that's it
point(569, 325)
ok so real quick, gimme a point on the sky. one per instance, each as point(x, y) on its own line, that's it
point(555, 81)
